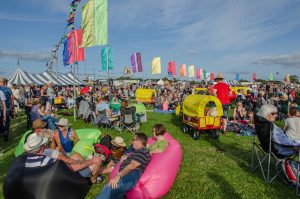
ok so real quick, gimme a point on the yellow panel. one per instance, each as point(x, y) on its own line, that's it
point(144, 95)
point(194, 105)
point(202, 122)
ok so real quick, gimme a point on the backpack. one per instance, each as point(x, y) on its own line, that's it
point(289, 168)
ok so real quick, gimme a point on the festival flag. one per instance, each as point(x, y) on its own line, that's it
point(172, 68)
point(198, 73)
point(204, 75)
point(271, 77)
point(182, 70)
point(192, 71)
point(133, 62)
point(139, 62)
point(237, 77)
point(207, 76)
point(94, 23)
point(66, 53)
point(156, 65)
point(254, 77)
point(212, 76)
point(74, 46)
point(107, 58)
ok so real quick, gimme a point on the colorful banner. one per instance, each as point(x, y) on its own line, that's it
point(74, 46)
point(182, 70)
point(94, 23)
point(204, 75)
point(133, 62)
point(237, 77)
point(66, 53)
point(192, 71)
point(156, 65)
point(172, 68)
point(199, 72)
point(139, 62)
point(107, 58)
point(271, 77)
point(254, 77)
point(212, 76)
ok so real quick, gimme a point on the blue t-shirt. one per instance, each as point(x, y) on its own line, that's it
point(103, 106)
point(7, 93)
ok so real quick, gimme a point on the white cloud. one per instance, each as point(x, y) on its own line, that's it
point(288, 60)
point(30, 56)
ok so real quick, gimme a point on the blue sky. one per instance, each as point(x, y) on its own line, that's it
point(232, 36)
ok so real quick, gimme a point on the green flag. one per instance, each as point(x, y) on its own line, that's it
point(107, 58)
point(94, 23)
point(271, 77)
point(204, 75)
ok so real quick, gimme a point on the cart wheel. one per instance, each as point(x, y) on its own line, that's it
point(185, 129)
point(215, 134)
point(196, 135)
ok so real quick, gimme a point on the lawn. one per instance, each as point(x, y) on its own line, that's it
point(210, 168)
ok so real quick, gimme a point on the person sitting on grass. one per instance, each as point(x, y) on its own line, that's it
point(131, 169)
point(161, 143)
point(65, 137)
point(40, 155)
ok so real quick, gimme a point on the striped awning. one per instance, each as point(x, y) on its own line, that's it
point(22, 77)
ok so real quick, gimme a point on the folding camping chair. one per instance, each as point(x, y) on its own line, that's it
point(108, 123)
point(265, 152)
point(128, 120)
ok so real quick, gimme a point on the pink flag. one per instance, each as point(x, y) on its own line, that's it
point(199, 73)
point(212, 76)
point(172, 68)
point(74, 46)
point(254, 76)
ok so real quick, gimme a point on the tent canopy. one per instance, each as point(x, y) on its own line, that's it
point(23, 77)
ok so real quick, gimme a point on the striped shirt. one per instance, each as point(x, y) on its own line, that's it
point(49, 157)
point(142, 156)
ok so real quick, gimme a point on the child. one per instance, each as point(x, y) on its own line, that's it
point(292, 124)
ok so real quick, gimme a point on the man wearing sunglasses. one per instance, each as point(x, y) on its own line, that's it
point(130, 170)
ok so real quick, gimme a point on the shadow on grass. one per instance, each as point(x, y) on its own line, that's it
point(224, 186)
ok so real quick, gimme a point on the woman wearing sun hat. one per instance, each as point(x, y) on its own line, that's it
point(65, 137)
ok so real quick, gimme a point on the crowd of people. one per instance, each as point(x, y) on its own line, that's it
point(53, 138)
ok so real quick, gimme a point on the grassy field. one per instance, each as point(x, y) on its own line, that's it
point(211, 168)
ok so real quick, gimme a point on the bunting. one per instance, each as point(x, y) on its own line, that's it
point(182, 70)
point(94, 23)
point(156, 65)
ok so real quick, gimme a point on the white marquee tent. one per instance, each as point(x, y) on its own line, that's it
point(23, 77)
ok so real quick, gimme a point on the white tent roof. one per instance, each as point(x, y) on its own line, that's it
point(22, 77)
point(160, 82)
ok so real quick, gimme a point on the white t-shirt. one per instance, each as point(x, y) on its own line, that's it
point(2, 96)
point(293, 128)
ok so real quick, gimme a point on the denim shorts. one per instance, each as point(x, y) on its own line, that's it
point(225, 111)
point(86, 172)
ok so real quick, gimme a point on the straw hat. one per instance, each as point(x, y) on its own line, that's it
point(38, 123)
point(63, 122)
point(219, 76)
point(284, 97)
point(34, 141)
point(118, 141)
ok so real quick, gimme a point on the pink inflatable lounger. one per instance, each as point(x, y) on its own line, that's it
point(160, 173)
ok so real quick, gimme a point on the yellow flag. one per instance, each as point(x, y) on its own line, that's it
point(192, 71)
point(156, 65)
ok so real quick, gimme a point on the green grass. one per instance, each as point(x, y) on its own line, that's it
point(210, 168)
